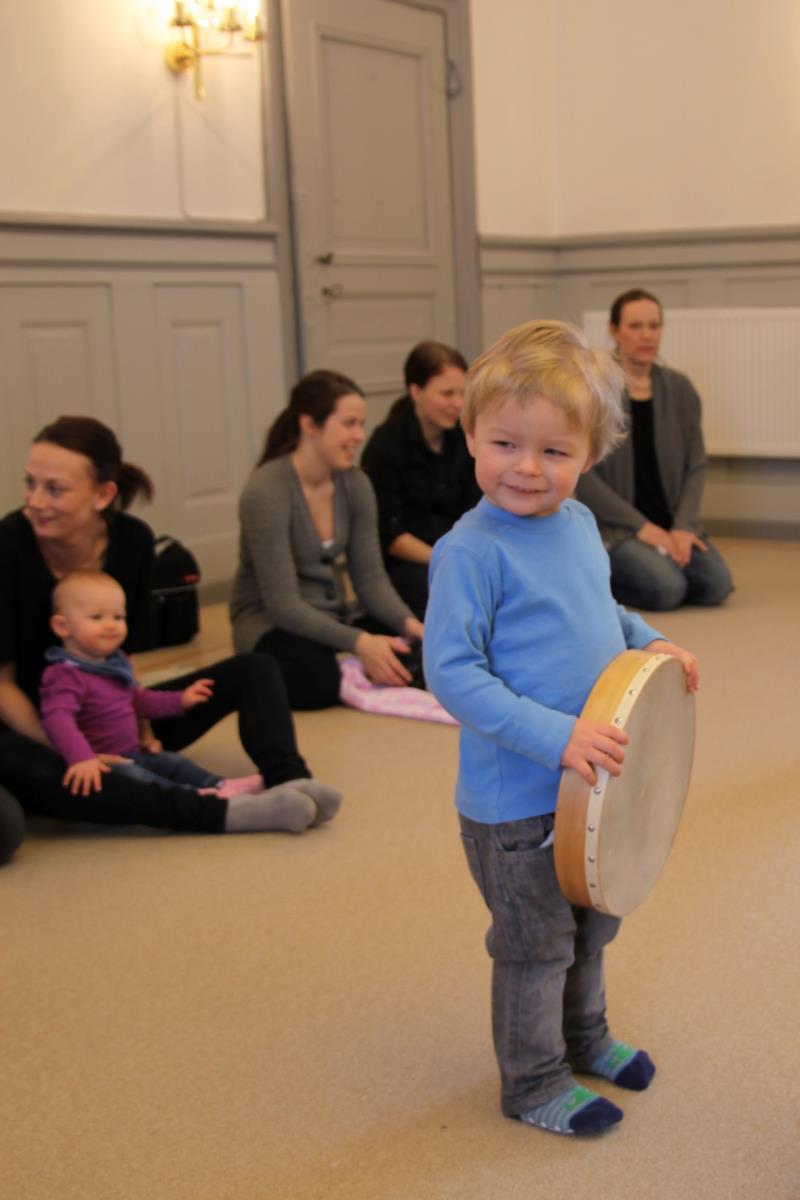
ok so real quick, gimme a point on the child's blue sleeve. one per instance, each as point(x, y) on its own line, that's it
point(458, 670)
point(637, 633)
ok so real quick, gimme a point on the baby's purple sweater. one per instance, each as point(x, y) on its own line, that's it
point(85, 715)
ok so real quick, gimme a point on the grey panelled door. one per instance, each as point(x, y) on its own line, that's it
point(57, 357)
point(369, 145)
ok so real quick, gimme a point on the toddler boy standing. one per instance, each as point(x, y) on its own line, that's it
point(519, 626)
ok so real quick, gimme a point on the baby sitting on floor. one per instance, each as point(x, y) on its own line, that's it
point(91, 703)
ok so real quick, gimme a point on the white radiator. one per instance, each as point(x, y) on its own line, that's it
point(745, 363)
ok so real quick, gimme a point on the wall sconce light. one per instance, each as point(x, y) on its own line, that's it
point(199, 20)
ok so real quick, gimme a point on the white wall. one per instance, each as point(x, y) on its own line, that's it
point(590, 117)
point(650, 117)
point(95, 124)
point(515, 119)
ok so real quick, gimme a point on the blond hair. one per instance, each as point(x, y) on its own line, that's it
point(553, 359)
point(72, 585)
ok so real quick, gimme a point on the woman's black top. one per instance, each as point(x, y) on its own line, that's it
point(648, 490)
point(26, 584)
point(418, 491)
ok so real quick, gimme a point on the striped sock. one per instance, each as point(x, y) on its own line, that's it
point(577, 1110)
point(624, 1066)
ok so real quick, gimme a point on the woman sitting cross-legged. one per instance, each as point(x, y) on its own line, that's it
point(311, 581)
point(76, 488)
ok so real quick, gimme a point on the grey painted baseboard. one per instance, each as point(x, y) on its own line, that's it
point(778, 531)
point(215, 592)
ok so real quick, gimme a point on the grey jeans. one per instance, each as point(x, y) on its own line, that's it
point(643, 578)
point(548, 993)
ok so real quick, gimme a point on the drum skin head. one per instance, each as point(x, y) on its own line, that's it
point(612, 840)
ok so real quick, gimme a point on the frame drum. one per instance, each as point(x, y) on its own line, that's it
point(612, 840)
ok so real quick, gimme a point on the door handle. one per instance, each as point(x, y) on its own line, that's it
point(325, 260)
point(333, 292)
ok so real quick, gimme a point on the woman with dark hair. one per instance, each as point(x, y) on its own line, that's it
point(646, 495)
point(310, 580)
point(420, 467)
point(75, 492)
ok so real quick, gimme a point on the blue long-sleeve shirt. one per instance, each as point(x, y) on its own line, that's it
point(519, 625)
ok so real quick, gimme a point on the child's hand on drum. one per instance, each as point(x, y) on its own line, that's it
point(684, 657)
point(594, 744)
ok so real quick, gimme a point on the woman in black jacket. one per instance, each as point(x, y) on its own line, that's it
point(420, 467)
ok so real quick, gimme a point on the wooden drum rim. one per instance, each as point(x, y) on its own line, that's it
point(580, 806)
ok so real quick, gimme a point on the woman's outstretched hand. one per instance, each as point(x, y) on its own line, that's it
point(378, 655)
point(677, 545)
point(85, 777)
point(660, 539)
point(684, 542)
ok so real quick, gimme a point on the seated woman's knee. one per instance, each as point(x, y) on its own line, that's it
point(664, 592)
point(710, 581)
point(256, 668)
point(323, 693)
point(652, 591)
point(642, 578)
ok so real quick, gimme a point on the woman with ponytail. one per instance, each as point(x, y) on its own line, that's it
point(311, 581)
point(76, 489)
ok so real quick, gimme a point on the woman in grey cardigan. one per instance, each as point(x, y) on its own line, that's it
point(311, 579)
point(646, 495)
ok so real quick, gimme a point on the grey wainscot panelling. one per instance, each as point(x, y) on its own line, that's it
point(173, 338)
point(567, 277)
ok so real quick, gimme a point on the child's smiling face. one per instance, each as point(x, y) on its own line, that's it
point(528, 457)
point(91, 623)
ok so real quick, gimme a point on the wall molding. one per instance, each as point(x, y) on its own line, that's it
point(529, 278)
point(107, 244)
point(773, 246)
point(88, 222)
point(689, 269)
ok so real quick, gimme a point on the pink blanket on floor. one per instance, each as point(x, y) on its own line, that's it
point(357, 691)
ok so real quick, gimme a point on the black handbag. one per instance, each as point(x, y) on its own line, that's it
point(176, 610)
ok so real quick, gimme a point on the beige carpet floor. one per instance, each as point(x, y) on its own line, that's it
point(307, 1018)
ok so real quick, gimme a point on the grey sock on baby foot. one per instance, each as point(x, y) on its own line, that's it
point(279, 807)
point(326, 798)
